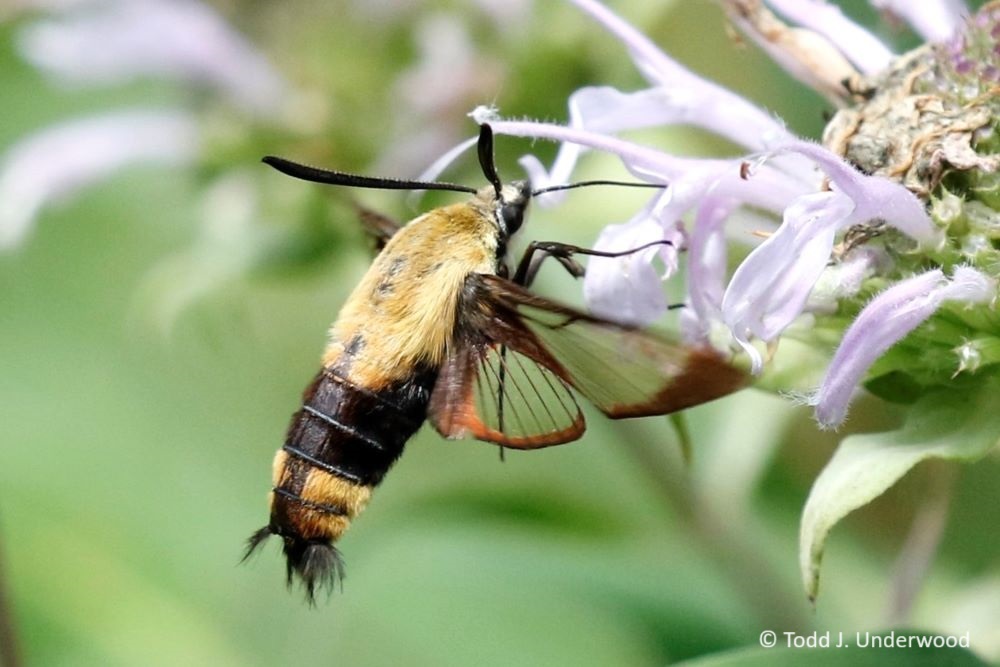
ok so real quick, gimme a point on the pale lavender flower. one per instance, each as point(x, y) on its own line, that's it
point(769, 289)
point(107, 43)
point(920, 124)
point(817, 193)
point(706, 268)
point(875, 198)
point(887, 319)
point(678, 96)
point(58, 161)
point(934, 20)
point(624, 301)
point(690, 179)
point(182, 40)
point(858, 45)
point(747, 307)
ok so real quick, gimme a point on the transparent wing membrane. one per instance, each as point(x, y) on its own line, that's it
point(516, 355)
point(502, 396)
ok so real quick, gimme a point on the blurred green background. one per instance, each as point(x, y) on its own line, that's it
point(159, 326)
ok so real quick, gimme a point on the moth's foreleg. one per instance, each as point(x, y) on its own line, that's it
point(538, 251)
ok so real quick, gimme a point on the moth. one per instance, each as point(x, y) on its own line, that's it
point(442, 328)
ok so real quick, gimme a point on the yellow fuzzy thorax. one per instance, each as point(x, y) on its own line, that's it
point(403, 311)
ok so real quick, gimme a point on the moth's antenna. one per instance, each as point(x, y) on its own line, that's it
point(328, 177)
point(583, 184)
point(489, 167)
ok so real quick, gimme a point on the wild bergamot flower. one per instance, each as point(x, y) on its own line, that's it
point(889, 240)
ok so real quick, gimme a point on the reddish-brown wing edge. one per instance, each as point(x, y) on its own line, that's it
point(453, 411)
point(490, 316)
point(705, 375)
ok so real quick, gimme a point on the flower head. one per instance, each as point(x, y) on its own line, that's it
point(820, 196)
point(887, 239)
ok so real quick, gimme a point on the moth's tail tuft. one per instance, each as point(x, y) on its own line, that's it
point(316, 562)
point(256, 540)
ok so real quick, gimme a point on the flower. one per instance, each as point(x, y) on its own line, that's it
point(887, 239)
point(181, 40)
point(863, 49)
point(60, 160)
point(887, 319)
point(91, 44)
point(934, 21)
point(819, 195)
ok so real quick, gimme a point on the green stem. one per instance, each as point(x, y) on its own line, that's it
point(746, 569)
point(921, 545)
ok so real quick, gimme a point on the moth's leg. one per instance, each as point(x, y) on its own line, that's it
point(538, 251)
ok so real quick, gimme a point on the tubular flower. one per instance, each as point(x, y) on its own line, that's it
point(89, 149)
point(885, 236)
point(103, 44)
point(886, 320)
point(182, 40)
point(838, 206)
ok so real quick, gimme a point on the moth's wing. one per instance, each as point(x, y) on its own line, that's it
point(499, 394)
point(378, 226)
point(623, 371)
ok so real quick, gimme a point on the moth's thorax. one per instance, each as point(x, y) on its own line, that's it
point(401, 316)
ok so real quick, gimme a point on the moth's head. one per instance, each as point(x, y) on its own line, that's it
point(507, 202)
point(511, 206)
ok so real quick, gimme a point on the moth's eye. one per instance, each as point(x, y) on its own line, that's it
point(513, 216)
point(513, 207)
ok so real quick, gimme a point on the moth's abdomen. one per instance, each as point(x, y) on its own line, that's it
point(338, 447)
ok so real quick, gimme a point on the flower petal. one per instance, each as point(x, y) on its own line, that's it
point(627, 289)
point(875, 197)
point(770, 288)
point(177, 39)
point(689, 178)
point(64, 158)
point(606, 110)
point(934, 20)
point(663, 71)
point(887, 319)
point(859, 46)
point(706, 268)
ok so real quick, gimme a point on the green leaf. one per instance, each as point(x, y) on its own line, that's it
point(948, 424)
